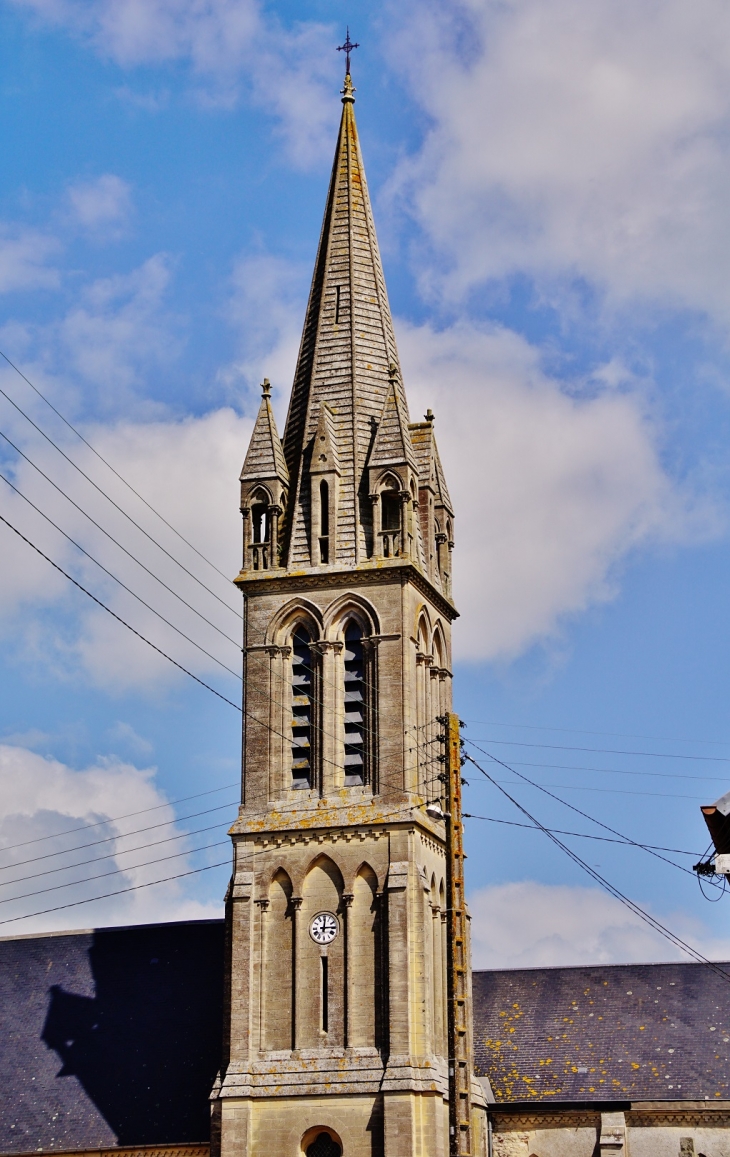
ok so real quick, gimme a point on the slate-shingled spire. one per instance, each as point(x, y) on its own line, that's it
point(265, 458)
point(348, 345)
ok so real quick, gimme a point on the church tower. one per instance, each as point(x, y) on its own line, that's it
point(337, 1013)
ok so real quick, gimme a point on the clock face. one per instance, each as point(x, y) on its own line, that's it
point(324, 928)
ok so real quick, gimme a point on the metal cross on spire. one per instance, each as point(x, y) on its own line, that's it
point(347, 48)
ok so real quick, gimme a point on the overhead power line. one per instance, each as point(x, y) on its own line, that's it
point(123, 585)
point(119, 618)
point(610, 751)
point(154, 646)
point(111, 872)
point(112, 855)
point(116, 836)
point(653, 923)
point(582, 835)
point(575, 809)
point(116, 542)
point(623, 771)
point(116, 819)
point(581, 731)
point(118, 892)
point(116, 505)
point(109, 466)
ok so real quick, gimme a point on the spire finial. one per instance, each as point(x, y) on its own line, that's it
point(429, 415)
point(347, 48)
point(266, 388)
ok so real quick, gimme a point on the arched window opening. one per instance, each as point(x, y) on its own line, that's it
point(355, 707)
point(260, 517)
point(390, 510)
point(302, 679)
point(324, 522)
point(324, 1146)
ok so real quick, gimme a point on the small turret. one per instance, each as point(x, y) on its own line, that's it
point(264, 486)
point(393, 481)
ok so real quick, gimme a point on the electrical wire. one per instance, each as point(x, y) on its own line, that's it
point(117, 836)
point(116, 819)
point(110, 855)
point(580, 731)
point(577, 810)
point(583, 835)
point(623, 771)
point(119, 581)
point(112, 872)
point(119, 618)
point(119, 892)
point(110, 467)
point(148, 884)
point(611, 751)
point(154, 646)
point(605, 884)
point(118, 544)
point(118, 507)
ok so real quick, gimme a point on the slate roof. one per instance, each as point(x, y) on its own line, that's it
point(638, 1032)
point(347, 348)
point(113, 1037)
point(265, 456)
point(110, 1037)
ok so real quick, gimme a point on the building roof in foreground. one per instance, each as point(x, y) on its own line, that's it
point(636, 1032)
point(110, 1037)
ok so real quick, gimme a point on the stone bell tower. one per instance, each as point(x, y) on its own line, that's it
point(337, 1021)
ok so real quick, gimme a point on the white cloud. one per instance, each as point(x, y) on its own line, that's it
point(529, 924)
point(229, 45)
point(102, 206)
point(551, 491)
point(266, 309)
point(42, 797)
point(189, 471)
point(120, 328)
point(24, 259)
point(573, 140)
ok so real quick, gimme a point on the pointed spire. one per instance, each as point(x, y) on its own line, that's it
point(265, 457)
point(325, 457)
point(392, 445)
point(347, 347)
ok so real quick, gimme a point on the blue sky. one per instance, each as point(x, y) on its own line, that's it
point(550, 185)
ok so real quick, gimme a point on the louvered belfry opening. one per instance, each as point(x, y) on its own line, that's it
point(355, 707)
point(302, 687)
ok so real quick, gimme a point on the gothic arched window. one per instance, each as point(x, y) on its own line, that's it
point(355, 707)
point(260, 517)
point(390, 517)
point(324, 522)
point(302, 688)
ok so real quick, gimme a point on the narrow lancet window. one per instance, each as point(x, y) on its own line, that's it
point(302, 709)
point(325, 994)
point(337, 305)
point(355, 707)
point(324, 522)
point(391, 510)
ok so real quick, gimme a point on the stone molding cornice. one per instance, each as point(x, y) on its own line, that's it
point(375, 829)
point(278, 581)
